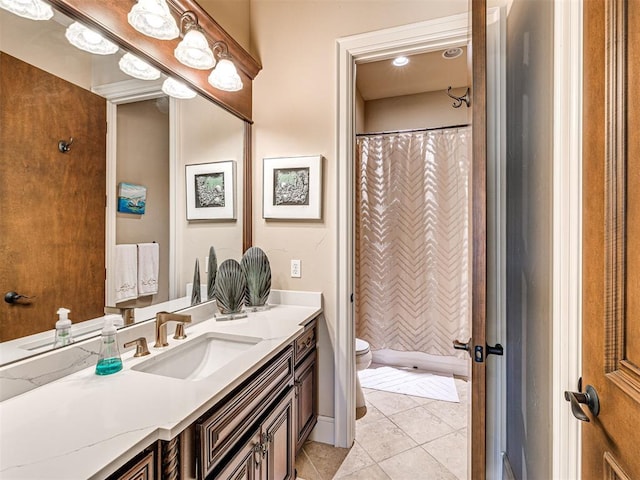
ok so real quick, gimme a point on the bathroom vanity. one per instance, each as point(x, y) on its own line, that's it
point(246, 418)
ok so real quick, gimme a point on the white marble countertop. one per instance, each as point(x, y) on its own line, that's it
point(86, 426)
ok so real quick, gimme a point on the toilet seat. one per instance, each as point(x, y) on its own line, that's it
point(362, 347)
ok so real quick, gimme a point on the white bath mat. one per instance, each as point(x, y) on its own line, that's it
point(410, 382)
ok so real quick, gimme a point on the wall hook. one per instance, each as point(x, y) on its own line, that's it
point(466, 98)
point(63, 146)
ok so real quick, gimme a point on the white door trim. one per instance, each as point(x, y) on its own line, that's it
point(567, 234)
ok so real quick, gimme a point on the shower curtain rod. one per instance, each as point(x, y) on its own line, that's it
point(415, 130)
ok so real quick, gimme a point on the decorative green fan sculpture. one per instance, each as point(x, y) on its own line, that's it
point(231, 286)
point(257, 270)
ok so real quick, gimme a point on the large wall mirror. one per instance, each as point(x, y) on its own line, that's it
point(62, 218)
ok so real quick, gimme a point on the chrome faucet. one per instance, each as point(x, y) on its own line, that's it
point(161, 327)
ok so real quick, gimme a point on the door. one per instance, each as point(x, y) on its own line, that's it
point(51, 239)
point(611, 245)
point(477, 345)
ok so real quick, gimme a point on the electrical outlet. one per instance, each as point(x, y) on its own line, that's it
point(295, 269)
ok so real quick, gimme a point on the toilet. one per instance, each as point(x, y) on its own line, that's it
point(363, 360)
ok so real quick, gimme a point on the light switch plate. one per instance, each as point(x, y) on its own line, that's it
point(295, 269)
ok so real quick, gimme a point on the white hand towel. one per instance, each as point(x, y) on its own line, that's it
point(126, 273)
point(148, 268)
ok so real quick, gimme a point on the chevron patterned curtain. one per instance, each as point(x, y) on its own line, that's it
point(412, 240)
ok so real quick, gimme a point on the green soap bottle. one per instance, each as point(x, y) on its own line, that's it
point(109, 360)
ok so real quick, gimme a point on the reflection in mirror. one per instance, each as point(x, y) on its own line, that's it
point(55, 239)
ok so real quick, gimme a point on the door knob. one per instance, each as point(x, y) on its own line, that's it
point(588, 398)
point(458, 345)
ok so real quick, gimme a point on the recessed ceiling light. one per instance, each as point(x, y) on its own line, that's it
point(451, 53)
point(400, 61)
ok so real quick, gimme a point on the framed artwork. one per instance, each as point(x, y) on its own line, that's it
point(132, 198)
point(292, 187)
point(211, 191)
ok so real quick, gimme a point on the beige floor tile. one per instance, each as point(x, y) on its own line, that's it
point(372, 472)
point(372, 415)
point(383, 439)
point(415, 464)
point(451, 451)
point(454, 414)
point(357, 459)
point(305, 467)
point(325, 458)
point(421, 424)
point(389, 403)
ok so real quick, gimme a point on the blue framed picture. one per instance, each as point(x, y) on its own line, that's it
point(132, 198)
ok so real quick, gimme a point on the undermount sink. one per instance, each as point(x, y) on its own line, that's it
point(198, 358)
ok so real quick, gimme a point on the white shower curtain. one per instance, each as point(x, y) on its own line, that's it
point(412, 240)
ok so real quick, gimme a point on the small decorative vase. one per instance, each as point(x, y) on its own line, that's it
point(257, 270)
point(230, 287)
point(211, 275)
point(195, 291)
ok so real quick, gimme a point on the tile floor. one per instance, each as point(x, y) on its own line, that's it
point(400, 438)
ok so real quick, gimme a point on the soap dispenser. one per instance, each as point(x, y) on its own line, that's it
point(109, 360)
point(63, 329)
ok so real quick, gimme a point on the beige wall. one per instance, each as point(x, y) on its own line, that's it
point(233, 16)
point(143, 159)
point(422, 110)
point(207, 134)
point(294, 105)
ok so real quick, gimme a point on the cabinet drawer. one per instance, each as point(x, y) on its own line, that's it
point(305, 342)
point(230, 419)
point(141, 468)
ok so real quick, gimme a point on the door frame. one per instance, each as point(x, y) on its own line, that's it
point(420, 37)
point(121, 93)
point(567, 236)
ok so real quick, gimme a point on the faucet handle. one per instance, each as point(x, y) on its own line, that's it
point(180, 335)
point(141, 346)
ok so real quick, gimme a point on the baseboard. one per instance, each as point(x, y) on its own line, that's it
point(507, 471)
point(323, 432)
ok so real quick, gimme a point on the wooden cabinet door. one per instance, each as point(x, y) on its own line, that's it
point(305, 393)
point(245, 465)
point(611, 239)
point(278, 437)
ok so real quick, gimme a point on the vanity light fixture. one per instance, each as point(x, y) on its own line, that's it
point(176, 89)
point(193, 51)
point(31, 9)
point(224, 76)
point(153, 18)
point(88, 40)
point(136, 68)
point(400, 61)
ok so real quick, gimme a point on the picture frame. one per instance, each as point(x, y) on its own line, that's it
point(292, 188)
point(132, 198)
point(210, 190)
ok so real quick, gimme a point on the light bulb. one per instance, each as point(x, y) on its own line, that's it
point(177, 89)
point(85, 39)
point(133, 66)
point(153, 18)
point(31, 9)
point(225, 76)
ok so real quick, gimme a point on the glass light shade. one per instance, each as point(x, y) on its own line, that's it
point(31, 9)
point(177, 89)
point(193, 51)
point(225, 76)
point(153, 18)
point(136, 68)
point(88, 40)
